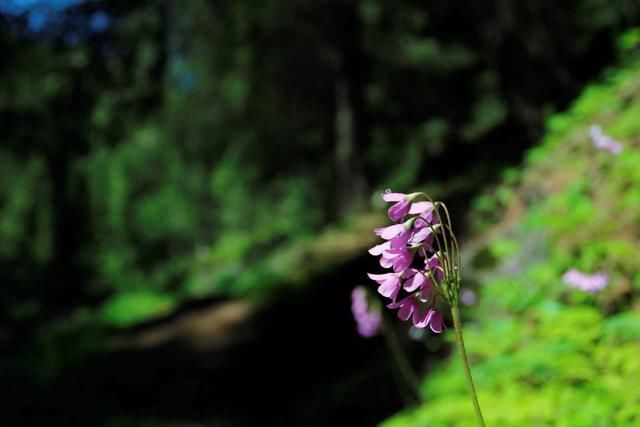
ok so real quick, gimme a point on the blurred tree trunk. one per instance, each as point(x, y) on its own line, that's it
point(69, 210)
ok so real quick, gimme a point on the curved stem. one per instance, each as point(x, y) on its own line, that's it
point(400, 357)
point(455, 312)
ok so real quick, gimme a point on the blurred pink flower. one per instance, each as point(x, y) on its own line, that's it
point(603, 141)
point(368, 321)
point(585, 282)
point(468, 297)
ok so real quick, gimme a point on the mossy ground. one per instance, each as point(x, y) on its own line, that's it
point(544, 354)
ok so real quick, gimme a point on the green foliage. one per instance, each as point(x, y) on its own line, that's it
point(21, 192)
point(557, 365)
point(128, 308)
point(543, 353)
point(191, 149)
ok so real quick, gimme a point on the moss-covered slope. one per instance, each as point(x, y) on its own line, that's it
point(545, 354)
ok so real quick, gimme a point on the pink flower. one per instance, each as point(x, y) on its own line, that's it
point(426, 291)
point(368, 321)
point(420, 235)
point(388, 233)
point(389, 196)
point(403, 205)
point(432, 318)
point(379, 249)
point(406, 307)
point(420, 207)
point(414, 283)
point(389, 284)
point(585, 282)
point(399, 259)
point(433, 265)
point(399, 210)
point(603, 141)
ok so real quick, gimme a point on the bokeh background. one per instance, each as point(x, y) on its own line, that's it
point(188, 188)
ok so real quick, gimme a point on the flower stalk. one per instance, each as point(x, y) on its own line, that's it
point(457, 325)
point(423, 256)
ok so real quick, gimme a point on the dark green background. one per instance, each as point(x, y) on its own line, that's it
point(197, 153)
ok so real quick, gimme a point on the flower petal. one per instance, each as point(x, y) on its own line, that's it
point(402, 262)
point(409, 272)
point(379, 277)
point(392, 231)
point(406, 310)
point(400, 240)
point(389, 196)
point(398, 211)
point(386, 260)
point(422, 321)
point(414, 283)
point(378, 249)
point(433, 262)
point(390, 288)
point(420, 235)
point(420, 207)
point(436, 322)
point(426, 291)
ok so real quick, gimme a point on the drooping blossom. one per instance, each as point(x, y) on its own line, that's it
point(431, 318)
point(409, 307)
point(399, 259)
point(401, 206)
point(399, 210)
point(389, 284)
point(420, 207)
point(408, 251)
point(603, 141)
point(406, 307)
point(368, 320)
point(391, 232)
point(392, 283)
point(585, 282)
point(422, 253)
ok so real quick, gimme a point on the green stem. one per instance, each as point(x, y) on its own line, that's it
point(455, 311)
point(401, 359)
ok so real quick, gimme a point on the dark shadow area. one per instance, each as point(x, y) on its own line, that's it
point(298, 361)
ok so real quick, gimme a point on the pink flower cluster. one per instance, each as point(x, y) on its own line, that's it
point(603, 141)
point(585, 282)
point(368, 321)
point(408, 252)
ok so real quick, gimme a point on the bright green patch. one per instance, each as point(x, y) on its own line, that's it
point(128, 308)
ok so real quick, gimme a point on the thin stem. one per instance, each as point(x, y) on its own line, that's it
point(405, 391)
point(455, 312)
point(453, 236)
point(446, 244)
point(401, 359)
